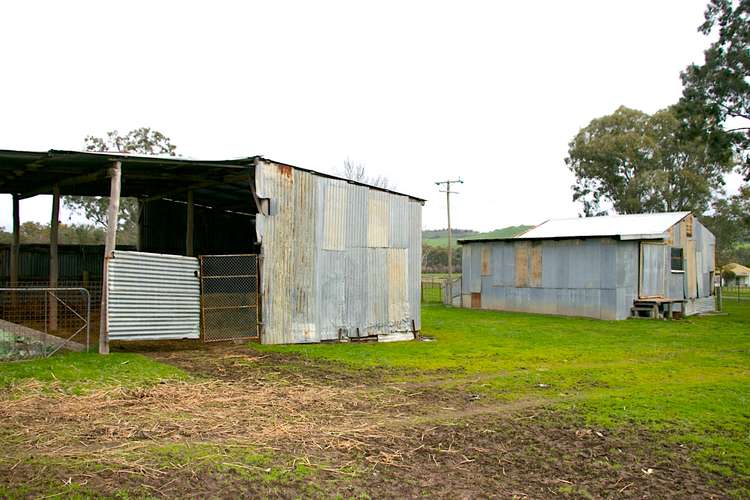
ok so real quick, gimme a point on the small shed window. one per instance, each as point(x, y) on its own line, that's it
point(689, 226)
point(677, 260)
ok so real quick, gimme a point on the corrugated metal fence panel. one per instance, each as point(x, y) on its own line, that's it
point(153, 296)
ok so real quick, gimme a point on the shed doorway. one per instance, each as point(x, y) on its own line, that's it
point(230, 297)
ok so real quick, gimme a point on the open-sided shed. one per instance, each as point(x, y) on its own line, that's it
point(238, 248)
point(607, 267)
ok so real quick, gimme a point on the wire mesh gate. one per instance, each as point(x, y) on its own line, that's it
point(229, 297)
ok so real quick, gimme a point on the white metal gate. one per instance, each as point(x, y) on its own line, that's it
point(152, 296)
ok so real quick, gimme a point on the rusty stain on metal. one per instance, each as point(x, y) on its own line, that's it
point(285, 170)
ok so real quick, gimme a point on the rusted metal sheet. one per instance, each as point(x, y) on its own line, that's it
point(339, 259)
point(535, 265)
point(522, 264)
point(486, 259)
point(476, 300)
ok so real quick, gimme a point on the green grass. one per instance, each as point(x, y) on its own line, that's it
point(688, 380)
point(78, 372)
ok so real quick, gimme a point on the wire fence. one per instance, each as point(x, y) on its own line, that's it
point(229, 297)
point(432, 290)
point(38, 322)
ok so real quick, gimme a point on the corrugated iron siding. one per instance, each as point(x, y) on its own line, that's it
point(153, 296)
point(595, 277)
point(338, 258)
point(655, 259)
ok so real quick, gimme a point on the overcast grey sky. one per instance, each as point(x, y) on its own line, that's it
point(417, 91)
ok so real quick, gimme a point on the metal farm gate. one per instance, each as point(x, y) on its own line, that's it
point(229, 297)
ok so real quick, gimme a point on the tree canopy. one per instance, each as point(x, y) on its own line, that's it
point(716, 95)
point(139, 141)
point(634, 162)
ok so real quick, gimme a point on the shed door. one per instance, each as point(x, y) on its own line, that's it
point(653, 269)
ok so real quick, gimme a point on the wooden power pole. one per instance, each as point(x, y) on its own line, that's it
point(448, 194)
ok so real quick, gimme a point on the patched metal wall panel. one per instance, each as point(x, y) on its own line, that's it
point(335, 201)
point(578, 277)
point(326, 265)
point(153, 296)
point(378, 219)
point(677, 289)
point(653, 269)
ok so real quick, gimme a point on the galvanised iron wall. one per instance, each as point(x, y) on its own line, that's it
point(338, 259)
point(593, 277)
point(153, 296)
point(75, 261)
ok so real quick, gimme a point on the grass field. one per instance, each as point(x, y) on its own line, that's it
point(507, 403)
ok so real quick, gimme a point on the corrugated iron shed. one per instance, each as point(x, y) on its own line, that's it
point(339, 258)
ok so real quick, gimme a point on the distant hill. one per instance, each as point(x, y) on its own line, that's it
point(439, 237)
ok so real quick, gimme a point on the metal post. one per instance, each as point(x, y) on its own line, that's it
point(54, 266)
point(113, 212)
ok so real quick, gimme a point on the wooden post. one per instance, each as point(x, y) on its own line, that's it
point(15, 248)
point(54, 266)
point(189, 251)
point(15, 244)
point(113, 212)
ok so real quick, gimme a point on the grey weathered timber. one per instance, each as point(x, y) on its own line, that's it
point(113, 213)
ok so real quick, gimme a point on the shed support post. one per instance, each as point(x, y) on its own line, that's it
point(54, 266)
point(189, 250)
point(15, 244)
point(113, 212)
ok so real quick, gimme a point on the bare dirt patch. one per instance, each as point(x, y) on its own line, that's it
point(251, 426)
